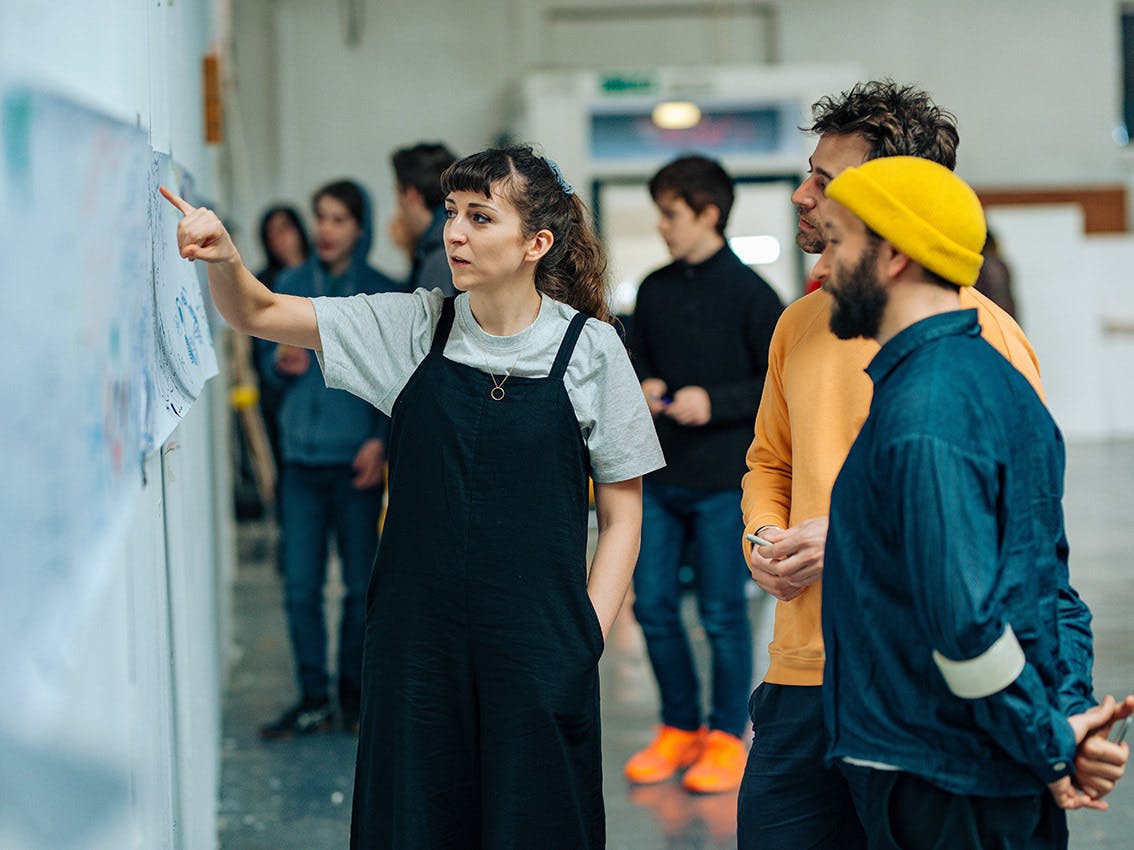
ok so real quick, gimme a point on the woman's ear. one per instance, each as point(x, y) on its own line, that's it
point(539, 245)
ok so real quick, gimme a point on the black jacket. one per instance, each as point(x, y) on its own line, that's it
point(706, 325)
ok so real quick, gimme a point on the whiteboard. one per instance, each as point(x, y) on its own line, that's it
point(109, 344)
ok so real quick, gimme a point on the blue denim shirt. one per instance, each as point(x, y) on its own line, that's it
point(946, 526)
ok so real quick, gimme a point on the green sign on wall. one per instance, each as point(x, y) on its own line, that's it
point(628, 83)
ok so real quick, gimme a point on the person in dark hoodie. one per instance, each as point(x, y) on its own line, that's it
point(286, 246)
point(333, 446)
point(417, 173)
point(284, 240)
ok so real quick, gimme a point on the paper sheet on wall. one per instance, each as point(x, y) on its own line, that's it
point(75, 393)
point(184, 357)
point(107, 345)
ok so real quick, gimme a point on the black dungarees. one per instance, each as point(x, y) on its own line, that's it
point(480, 718)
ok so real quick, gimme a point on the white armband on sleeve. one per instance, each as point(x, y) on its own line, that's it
point(989, 673)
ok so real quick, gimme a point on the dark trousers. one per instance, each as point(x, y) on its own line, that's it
point(901, 811)
point(317, 502)
point(789, 799)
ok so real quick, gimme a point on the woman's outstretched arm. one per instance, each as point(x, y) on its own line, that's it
point(246, 304)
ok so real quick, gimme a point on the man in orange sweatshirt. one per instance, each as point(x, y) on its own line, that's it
point(815, 399)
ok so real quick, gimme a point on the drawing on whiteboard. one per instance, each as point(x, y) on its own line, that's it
point(107, 346)
point(75, 384)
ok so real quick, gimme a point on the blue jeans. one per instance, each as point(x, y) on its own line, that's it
point(671, 516)
point(315, 502)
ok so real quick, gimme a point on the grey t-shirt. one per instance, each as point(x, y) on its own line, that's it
point(373, 343)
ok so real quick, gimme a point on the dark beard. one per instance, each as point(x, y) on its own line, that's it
point(859, 301)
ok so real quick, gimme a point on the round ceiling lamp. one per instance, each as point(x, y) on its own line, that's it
point(676, 115)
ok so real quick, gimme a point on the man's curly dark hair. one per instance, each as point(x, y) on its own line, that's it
point(895, 121)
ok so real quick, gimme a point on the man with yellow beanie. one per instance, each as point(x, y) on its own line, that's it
point(946, 607)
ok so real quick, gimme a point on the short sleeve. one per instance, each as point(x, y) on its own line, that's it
point(613, 417)
point(373, 343)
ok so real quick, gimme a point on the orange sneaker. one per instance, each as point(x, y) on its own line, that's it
point(670, 751)
point(720, 767)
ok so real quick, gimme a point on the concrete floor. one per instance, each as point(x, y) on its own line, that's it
point(295, 795)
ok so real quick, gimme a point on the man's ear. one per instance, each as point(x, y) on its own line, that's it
point(711, 215)
point(894, 263)
point(413, 194)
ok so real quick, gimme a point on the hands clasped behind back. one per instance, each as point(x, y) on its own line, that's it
point(793, 561)
point(1099, 763)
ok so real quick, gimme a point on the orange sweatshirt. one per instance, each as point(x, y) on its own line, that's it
point(816, 397)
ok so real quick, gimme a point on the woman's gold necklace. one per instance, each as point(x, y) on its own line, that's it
point(497, 391)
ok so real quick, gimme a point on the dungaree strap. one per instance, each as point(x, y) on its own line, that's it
point(567, 347)
point(444, 325)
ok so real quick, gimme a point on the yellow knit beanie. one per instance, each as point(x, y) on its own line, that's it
point(921, 208)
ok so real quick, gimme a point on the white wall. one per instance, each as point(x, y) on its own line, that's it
point(1060, 303)
point(1035, 85)
point(128, 756)
point(1036, 88)
point(434, 71)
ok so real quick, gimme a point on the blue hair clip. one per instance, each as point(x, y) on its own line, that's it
point(563, 184)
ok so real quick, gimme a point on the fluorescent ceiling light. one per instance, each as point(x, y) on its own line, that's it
point(625, 296)
point(676, 115)
point(755, 250)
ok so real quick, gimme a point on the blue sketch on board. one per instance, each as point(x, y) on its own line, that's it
point(190, 328)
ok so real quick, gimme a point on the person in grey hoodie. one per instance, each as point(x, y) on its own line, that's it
point(333, 446)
